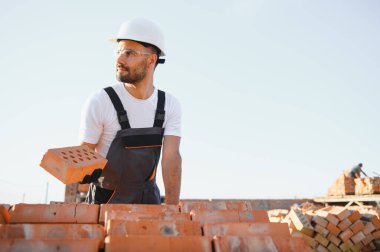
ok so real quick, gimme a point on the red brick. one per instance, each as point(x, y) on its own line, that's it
point(333, 248)
point(189, 205)
point(141, 208)
point(357, 247)
point(329, 217)
point(253, 216)
point(344, 224)
point(375, 221)
point(357, 237)
point(357, 226)
point(346, 235)
point(246, 229)
point(54, 213)
point(158, 244)
point(293, 244)
point(346, 245)
point(128, 215)
point(321, 248)
point(322, 240)
point(72, 164)
point(340, 212)
point(321, 230)
point(320, 220)
point(4, 214)
point(367, 239)
point(153, 227)
point(212, 216)
point(335, 240)
point(368, 228)
point(354, 216)
point(237, 243)
point(51, 231)
point(333, 229)
point(49, 245)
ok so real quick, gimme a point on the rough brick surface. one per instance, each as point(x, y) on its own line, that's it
point(346, 235)
point(153, 227)
point(321, 230)
point(196, 205)
point(246, 229)
point(357, 226)
point(134, 208)
point(237, 243)
point(335, 240)
point(333, 229)
point(344, 224)
point(52, 231)
point(127, 215)
point(340, 212)
point(354, 216)
point(158, 244)
point(294, 244)
point(49, 245)
point(72, 164)
point(357, 237)
point(212, 216)
point(369, 227)
point(322, 240)
point(54, 213)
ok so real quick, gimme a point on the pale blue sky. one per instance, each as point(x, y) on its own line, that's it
point(278, 97)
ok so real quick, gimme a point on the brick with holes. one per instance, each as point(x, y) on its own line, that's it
point(72, 164)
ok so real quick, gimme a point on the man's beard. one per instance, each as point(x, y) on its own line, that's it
point(133, 76)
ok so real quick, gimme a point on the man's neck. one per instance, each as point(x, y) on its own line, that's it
point(142, 90)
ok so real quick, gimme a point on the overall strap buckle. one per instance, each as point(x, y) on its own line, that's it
point(120, 111)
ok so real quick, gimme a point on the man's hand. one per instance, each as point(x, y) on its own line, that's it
point(171, 169)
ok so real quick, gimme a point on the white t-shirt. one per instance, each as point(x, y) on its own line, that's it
point(99, 122)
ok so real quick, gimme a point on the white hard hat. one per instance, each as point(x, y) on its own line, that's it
point(142, 30)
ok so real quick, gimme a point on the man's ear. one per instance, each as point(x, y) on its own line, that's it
point(153, 59)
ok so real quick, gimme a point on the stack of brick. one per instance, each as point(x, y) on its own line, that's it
point(336, 228)
point(367, 185)
point(191, 226)
point(45, 227)
point(342, 186)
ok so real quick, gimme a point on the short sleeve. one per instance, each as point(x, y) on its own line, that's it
point(91, 124)
point(173, 124)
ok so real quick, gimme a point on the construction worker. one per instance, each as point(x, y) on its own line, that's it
point(129, 122)
point(356, 170)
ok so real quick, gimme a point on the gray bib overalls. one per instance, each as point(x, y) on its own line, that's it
point(130, 174)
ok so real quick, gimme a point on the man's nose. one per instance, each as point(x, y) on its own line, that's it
point(121, 59)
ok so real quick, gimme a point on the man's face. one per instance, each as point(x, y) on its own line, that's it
point(131, 67)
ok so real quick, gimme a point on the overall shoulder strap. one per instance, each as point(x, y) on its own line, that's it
point(120, 111)
point(160, 111)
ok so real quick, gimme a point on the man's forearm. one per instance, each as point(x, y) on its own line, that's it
point(171, 174)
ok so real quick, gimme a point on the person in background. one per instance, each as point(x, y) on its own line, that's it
point(356, 170)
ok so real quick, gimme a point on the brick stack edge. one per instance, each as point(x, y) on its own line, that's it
point(333, 228)
point(191, 226)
